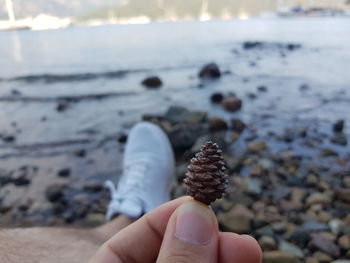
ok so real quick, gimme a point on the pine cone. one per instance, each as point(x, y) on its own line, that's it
point(205, 180)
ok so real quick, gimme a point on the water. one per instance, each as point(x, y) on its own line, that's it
point(111, 61)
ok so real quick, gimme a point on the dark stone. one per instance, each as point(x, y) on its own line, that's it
point(252, 44)
point(16, 92)
point(80, 153)
point(293, 47)
point(262, 88)
point(55, 192)
point(8, 138)
point(4, 209)
point(232, 104)
point(122, 138)
point(319, 242)
point(210, 71)
point(216, 98)
point(217, 124)
point(300, 237)
point(176, 114)
point(64, 172)
point(62, 106)
point(339, 139)
point(251, 96)
point(152, 82)
point(304, 87)
point(313, 226)
point(238, 125)
point(93, 187)
point(182, 137)
point(339, 126)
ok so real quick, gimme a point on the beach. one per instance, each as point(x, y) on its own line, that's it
point(69, 97)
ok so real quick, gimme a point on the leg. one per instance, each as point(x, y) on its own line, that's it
point(45, 244)
point(144, 185)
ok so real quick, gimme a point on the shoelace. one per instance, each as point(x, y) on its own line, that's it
point(134, 182)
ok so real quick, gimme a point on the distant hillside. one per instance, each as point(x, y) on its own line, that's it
point(61, 8)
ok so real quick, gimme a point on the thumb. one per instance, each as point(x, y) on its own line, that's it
point(191, 235)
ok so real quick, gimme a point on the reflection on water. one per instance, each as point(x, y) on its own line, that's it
point(17, 47)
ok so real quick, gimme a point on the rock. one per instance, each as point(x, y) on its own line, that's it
point(344, 242)
point(232, 104)
point(267, 243)
point(304, 87)
point(336, 226)
point(216, 98)
point(80, 153)
point(291, 249)
point(237, 220)
point(64, 172)
point(257, 147)
point(251, 95)
point(252, 44)
point(217, 124)
point(340, 139)
point(319, 242)
point(339, 126)
point(311, 260)
point(176, 114)
point(16, 92)
point(343, 194)
point(313, 226)
point(262, 88)
point(238, 125)
point(279, 257)
point(341, 261)
point(300, 237)
point(93, 187)
point(319, 198)
point(122, 138)
point(8, 138)
point(327, 152)
point(4, 209)
point(210, 71)
point(321, 257)
point(152, 82)
point(253, 185)
point(346, 181)
point(62, 106)
point(183, 137)
point(94, 219)
point(55, 192)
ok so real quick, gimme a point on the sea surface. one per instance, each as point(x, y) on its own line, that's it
point(95, 74)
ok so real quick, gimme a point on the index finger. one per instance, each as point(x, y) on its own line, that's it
point(140, 241)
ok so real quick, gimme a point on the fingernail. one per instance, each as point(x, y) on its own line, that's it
point(194, 224)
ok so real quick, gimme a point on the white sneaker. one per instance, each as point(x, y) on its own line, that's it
point(148, 170)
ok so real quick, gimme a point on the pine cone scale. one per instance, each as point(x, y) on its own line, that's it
point(205, 179)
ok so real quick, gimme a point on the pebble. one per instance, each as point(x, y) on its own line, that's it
point(257, 147)
point(237, 220)
point(267, 243)
point(279, 257)
point(318, 198)
point(338, 126)
point(291, 249)
point(66, 172)
point(323, 244)
point(210, 71)
point(152, 82)
point(94, 219)
point(344, 242)
point(216, 98)
point(217, 124)
point(343, 194)
point(322, 257)
point(238, 125)
point(232, 104)
point(55, 192)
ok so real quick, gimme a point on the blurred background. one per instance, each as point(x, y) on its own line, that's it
point(267, 80)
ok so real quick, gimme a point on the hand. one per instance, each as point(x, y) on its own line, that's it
point(182, 230)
